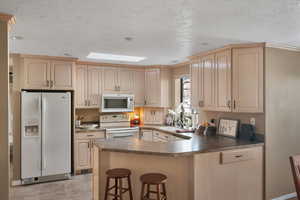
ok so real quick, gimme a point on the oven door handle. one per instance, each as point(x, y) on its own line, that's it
point(125, 131)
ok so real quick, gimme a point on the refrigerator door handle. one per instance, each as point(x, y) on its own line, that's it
point(43, 132)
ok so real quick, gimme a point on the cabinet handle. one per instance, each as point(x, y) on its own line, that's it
point(90, 135)
point(201, 103)
point(145, 102)
point(234, 106)
point(229, 103)
point(239, 156)
point(53, 82)
point(48, 83)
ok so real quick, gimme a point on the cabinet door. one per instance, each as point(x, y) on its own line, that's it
point(94, 86)
point(208, 82)
point(196, 71)
point(62, 74)
point(248, 80)
point(148, 116)
point(139, 88)
point(110, 82)
point(147, 135)
point(83, 154)
point(125, 80)
point(36, 74)
point(242, 180)
point(158, 116)
point(223, 81)
point(152, 81)
point(81, 86)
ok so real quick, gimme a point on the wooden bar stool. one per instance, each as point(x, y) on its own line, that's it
point(118, 175)
point(154, 179)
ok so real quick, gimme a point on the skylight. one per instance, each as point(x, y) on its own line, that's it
point(104, 56)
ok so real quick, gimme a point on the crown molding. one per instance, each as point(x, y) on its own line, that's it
point(282, 46)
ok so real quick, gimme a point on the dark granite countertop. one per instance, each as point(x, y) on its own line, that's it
point(184, 147)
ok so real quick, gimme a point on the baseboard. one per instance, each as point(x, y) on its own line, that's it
point(16, 182)
point(286, 196)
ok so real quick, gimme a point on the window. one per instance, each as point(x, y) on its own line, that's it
point(185, 97)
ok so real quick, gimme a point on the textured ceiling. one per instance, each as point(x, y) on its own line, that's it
point(162, 30)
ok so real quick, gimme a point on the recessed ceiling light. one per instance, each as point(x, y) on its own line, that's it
point(17, 38)
point(67, 54)
point(105, 56)
point(128, 38)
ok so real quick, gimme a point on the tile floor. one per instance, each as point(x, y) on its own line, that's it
point(78, 188)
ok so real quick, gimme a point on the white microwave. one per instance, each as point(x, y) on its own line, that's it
point(117, 103)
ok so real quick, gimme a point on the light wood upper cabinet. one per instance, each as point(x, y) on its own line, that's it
point(88, 86)
point(139, 87)
point(125, 80)
point(117, 80)
point(223, 81)
point(152, 89)
point(158, 88)
point(194, 71)
point(153, 116)
point(248, 80)
point(81, 86)
point(94, 90)
point(62, 74)
point(208, 82)
point(229, 80)
point(36, 73)
point(110, 80)
point(48, 74)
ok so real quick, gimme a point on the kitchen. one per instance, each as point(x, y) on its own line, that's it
point(205, 124)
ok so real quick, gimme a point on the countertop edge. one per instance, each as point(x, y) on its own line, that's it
point(179, 154)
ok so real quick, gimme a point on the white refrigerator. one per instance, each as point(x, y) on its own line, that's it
point(46, 136)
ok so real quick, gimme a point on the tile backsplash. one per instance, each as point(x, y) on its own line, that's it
point(243, 117)
point(88, 115)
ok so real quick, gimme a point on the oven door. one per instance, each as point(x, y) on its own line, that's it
point(117, 103)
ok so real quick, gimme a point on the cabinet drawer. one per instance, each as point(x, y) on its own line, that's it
point(237, 156)
point(90, 135)
point(163, 136)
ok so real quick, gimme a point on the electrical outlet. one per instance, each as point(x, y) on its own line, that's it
point(252, 121)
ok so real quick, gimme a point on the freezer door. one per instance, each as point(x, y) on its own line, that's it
point(56, 138)
point(30, 135)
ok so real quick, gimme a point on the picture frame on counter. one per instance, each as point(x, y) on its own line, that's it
point(228, 127)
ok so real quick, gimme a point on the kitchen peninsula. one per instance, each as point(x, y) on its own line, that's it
point(196, 166)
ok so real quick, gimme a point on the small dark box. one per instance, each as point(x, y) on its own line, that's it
point(247, 132)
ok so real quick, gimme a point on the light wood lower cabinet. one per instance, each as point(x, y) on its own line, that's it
point(229, 175)
point(83, 154)
point(83, 149)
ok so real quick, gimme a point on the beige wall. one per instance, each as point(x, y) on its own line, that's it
point(4, 97)
point(15, 104)
point(282, 119)
point(243, 117)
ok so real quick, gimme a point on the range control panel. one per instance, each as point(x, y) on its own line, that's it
point(108, 118)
